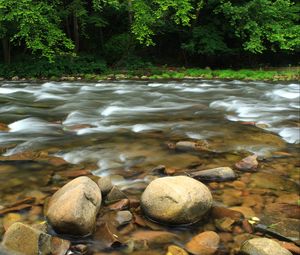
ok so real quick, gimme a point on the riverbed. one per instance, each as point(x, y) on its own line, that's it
point(52, 132)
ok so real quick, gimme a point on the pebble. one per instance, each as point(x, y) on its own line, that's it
point(215, 174)
point(123, 217)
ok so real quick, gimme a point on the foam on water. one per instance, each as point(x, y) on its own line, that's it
point(123, 112)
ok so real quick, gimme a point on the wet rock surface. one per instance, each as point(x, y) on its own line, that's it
point(176, 200)
point(205, 243)
point(263, 246)
point(73, 208)
point(215, 174)
point(27, 240)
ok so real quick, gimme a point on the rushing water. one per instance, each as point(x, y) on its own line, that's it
point(125, 128)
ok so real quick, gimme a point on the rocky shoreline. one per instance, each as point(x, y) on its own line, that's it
point(72, 213)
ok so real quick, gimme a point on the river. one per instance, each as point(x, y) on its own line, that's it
point(127, 128)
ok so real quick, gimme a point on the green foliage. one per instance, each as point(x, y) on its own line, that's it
point(36, 24)
point(62, 66)
point(148, 14)
point(207, 33)
point(263, 24)
point(118, 46)
point(206, 39)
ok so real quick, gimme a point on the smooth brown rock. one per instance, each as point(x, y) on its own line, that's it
point(222, 212)
point(224, 224)
point(120, 205)
point(27, 240)
point(215, 174)
point(205, 243)
point(105, 184)
point(185, 145)
point(176, 250)
point(154, 238)
point(73, 208)
point(59, 246)
point(246, 211)
point(123, 217)
point(290, 246)
point(176, 200)
point(247, 164)
point(263, 246)
point(115, 195)
point(283, 210)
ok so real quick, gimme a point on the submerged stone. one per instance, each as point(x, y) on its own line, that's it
point(205, 243)
point(263, 246)
point(215, 174)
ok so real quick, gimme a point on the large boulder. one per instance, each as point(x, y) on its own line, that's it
point(73, 208)
point(176, 200)
point(263, 246)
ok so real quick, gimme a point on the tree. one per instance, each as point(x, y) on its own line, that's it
point(150, 14)
point(35, 24)
point(264, 24)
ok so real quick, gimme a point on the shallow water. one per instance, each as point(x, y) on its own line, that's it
point(126, 128)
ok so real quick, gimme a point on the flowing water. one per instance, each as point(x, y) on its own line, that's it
point(126, 128)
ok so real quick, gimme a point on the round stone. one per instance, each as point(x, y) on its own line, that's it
point(176, 200)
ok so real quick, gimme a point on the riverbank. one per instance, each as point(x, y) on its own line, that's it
point(159, 73)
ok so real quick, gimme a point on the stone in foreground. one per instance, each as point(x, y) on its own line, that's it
point(176, 200)
point(263, 246)
point(73, 208)
point(205, 243)
point(27, 240)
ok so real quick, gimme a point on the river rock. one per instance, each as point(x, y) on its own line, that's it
point(185, 145)
point(205, 243)
point(263, 246)
point(105, 184)
point(115, 195)
point(215, 174)
point(27, 240)
point(73, 208)
point(123, 217)
point(247, 164)
point(176, 200)
point(5, 251)
point(176, 250)
point(283, 210)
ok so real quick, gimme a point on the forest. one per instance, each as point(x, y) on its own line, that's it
point(74, 36)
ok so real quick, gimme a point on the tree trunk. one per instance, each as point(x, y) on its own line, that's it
point(130, 12)
point(67, 24)
point(6, 50)
point(76, 32)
